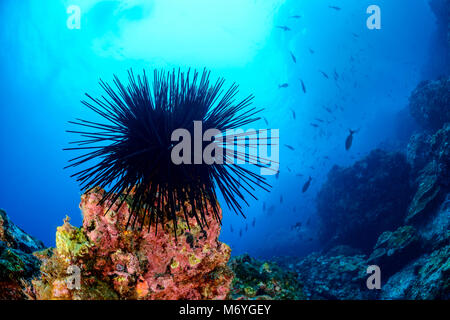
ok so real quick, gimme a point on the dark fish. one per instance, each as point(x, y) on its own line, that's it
point(336, 75)
point(284, 85)
point(349, 140)
point(295, 17)
point(355, 35)
point(324, 74)
point(314, 125)
point(231, 228)
point(335, 8)
point(289, 169)
point(293, 114)
point(264, 206)
point(289, 147)
point(311, 50)
point(303, 86)
point(240, 233)
point(306, 185)
point(253, 222)
point(277, 175)
point(281, 199)
point(284, 28)
point(320, 120)
point(265, 120)
point(293, 57)
point(328, 110)
point(246, 227)
point(299, 175)
point(296, 226)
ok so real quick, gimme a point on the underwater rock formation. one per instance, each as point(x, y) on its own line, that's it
point(429, 156)
point(429, 103)
point(395, 249)
point(356, 204)
point(334, 275)
point(116, 262)
point(17, 264)
point(258, 280)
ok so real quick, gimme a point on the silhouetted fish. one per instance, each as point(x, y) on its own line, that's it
point(277, 175)
point(240, 233)
point(281, 199)
point(265, 120)
point(296, 17)
point(324, 74)
point(306, 185)
point(314, 125)
point(284, 28)
point(284, 85)
point(349, 140)
point(253, 222)
point(289, 147)
point(311, 50)
point(293, 114)
point(246, 227)
point(293, 57)
point(231, 228)
point(264, 206)
point(335, 8)
point(303, 86)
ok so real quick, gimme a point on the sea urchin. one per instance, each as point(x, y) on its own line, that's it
point(133, 150)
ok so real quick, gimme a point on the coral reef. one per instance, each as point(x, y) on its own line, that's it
point(116, 262)
point(258, 280)
point(374, 192)
point(395, 249)
point(17, 264)
point(429, 155)
point(429, 103)
point(333, 275)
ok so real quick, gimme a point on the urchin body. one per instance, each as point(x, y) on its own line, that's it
point(132, 152)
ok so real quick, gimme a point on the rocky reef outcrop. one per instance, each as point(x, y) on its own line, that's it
point(115, 262)
point(429, 103)
point(263, 280)
point(17, 264)
point(358, 203)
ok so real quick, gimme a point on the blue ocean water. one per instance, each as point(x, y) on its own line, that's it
point(47, 67)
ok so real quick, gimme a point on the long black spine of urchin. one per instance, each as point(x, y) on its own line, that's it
point(132, 151)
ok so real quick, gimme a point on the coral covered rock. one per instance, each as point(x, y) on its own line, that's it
point(427, 278)
point(358, 203)
point(433, 178)
point(395, 249)
point(116, 262)
point(430, 103)
point(258, 280)
point(17, 264)
point(334, 276)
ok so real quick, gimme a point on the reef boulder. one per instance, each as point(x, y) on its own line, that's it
point(17, 264)
point(334, 276)
point(429, 155)
point(263, 280)
point(395, 249)
point(356, 204)
point(116, 262)
point(429, 103)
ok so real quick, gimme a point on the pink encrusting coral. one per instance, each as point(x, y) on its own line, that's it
point(124, 263)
